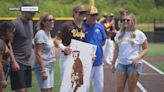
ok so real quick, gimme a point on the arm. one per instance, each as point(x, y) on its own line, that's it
point(116, 50)
point(142, 54)
point(2, 76)
point(14, 64)
point(145, 50)
point(39, 48)
point(2, 51)
point(58, 43)
point(62, 34)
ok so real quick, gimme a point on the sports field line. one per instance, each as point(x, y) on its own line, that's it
point(151, 66)
point(150, 74)
point(141, 87)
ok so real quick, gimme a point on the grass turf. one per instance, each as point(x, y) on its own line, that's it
point(156, 49)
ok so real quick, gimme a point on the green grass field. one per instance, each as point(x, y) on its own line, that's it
point(160, 65)
point(157, 50)
point(154, 50)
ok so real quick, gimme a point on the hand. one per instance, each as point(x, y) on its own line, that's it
point(68, 50)
point(15, 66)
point(135, 62)
point(113, 68)
point(3, 83)
point(44, 75)
point(94, 58)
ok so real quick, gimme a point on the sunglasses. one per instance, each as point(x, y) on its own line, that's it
point(50, 19)
point(125, 20)
point(81, 12)
point(32, 13)
point(94, 15)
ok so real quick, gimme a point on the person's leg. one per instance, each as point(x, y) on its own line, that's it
point(28, 80)
point(98, 79)
point(132, 82)
point(18, 79)
point(28, 77)
point(121, 77)
point(52, 78)
point(120, 81)
point(133, 76)
point(48, 84)
point(90, 79)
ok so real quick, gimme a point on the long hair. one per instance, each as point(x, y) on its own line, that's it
point(133, 28)
point(40, 25)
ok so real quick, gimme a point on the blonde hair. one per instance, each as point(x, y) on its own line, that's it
point(133, 28)
point(42, 19)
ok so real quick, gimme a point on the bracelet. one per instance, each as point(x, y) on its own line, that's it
point(61, 46)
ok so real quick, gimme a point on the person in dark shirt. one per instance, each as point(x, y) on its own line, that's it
point(70, 30)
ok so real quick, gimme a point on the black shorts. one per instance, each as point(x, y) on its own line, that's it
point(22, 78)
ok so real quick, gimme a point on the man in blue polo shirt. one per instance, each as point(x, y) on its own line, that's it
point(95, 34)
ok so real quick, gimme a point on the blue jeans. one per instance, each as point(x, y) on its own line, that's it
point(49, 83)
point(129, 69)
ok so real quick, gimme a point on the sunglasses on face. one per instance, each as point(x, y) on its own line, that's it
point(50, 20)
point(32, 13)
point(81, 12)
point(125, 20)
point(93, 15)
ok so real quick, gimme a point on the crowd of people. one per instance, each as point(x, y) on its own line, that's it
point(121, 48)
